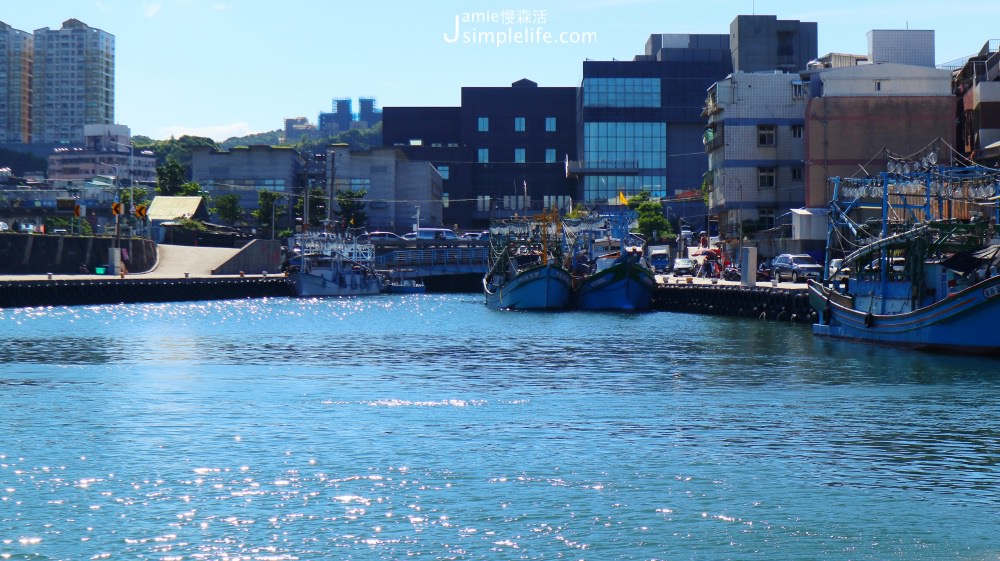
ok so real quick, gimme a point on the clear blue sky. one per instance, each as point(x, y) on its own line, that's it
point(222, 68)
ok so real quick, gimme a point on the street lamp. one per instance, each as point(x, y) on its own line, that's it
point(131, 179)
point(274, 204)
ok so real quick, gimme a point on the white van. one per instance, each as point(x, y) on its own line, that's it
point(436, 234)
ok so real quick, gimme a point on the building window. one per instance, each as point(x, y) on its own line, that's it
point(483, 156)
point(353, 184)
point(518, 124)
point(798, 90)
point(559, 202)
point(796, 131)
point(878, 86)
point(444, 171)
point(621, 92)
point(639, 149)
point(796, 174)
point(519, 155)
point(484, 203)
point(550, 124)
point(765, 135)
point(766, 217)
point(550, 155)
point(765, 178)
point(483, 124)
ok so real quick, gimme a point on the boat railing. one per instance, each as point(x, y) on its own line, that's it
point(433, 257)
point(346, 248)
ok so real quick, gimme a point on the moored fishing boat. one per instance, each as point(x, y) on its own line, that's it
point(609, 268)
point(928, 278)
point(334, 267)
point(525, 266)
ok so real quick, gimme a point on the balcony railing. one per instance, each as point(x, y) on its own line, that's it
point(602, 167)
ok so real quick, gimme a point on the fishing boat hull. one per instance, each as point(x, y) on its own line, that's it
point(547, 287)
point(330, 282)
point(964, 322)
point(405, 287)
point(626, 286)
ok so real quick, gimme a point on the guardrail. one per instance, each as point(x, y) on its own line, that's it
point(415, 263)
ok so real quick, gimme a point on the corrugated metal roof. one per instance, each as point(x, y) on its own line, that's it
point(170, 208)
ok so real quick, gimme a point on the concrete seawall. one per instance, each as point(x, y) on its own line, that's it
point(22, 254)
point(764, 301)
point(113, 290)
point(176, 273)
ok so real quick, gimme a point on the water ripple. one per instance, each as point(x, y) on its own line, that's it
point(429, 426)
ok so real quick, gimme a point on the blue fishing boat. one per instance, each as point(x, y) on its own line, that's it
point(609, 268)
point(525, 268)
point(923, 272)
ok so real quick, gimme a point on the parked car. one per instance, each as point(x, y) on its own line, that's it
point(836, 270)
point(436, 234)
point(683, 266)
point(380, 237)
point(4, 227)
point(409, 236)
point(660, 261)
point(796, 267)
point(896, 264)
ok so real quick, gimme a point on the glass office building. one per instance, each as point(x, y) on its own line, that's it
point(640, 121)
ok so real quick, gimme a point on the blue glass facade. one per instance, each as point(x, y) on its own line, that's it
point(640, 121)
point(641, 145)
point(621, 92)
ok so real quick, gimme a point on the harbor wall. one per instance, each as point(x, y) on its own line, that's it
point(255, 257)
point(80, 292)
point(38, 254)
point(760, 302)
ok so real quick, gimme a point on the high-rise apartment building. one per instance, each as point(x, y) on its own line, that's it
point(15, 84)
point(74, 82)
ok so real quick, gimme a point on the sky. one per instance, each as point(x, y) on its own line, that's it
point(224, 68)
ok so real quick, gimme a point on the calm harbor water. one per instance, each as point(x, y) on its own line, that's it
point(429, 427)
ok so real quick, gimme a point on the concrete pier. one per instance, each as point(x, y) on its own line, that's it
point(181, 273)
point(783, 301)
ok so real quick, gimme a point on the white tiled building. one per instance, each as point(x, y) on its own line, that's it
point(754, 139)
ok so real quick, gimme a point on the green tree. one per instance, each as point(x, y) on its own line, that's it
point(170, 178)
point(650, 217)
point(177, 148)
point(270, 138)
point(190, 189)
point(579, 211)
point(228, 208)
point(267, 207)
point(352, 208)
point(317, 206)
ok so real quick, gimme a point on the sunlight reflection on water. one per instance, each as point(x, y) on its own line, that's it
point(392, 427)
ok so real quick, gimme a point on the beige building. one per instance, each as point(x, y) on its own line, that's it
point(858, 115)
point(398, 189)
point(107, 152)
